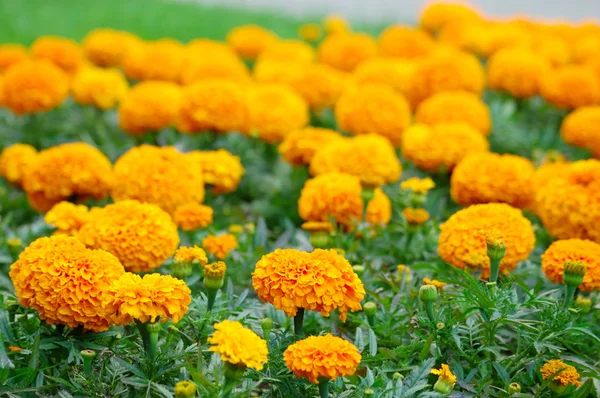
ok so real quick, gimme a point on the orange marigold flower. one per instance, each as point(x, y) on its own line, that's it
point(405, 42)
point(418, 185)
point(455, 107)
point(83, 276)
point(320, 85)
point(518, 71)
point(548, 171)
point(436, 15)
point(103, 88)
point(67, 218)
point(62, 52)
point(373, 108)
point(322, 357)
point(290, 51)
point(390, 72)
point(156, 60)
point(347, 51)
point(335, 24)
point(108, 47)
point(568, 374)
point(447, 71)
point(218, 66)
point(249, 41)
point(275, 111)
point(149, 106)
point(34, 86)
point(220, 245)
point(434, 282)
point(588, 252)
point(213, 105)
point(317, 226)
point(191, 255)
point(14, 160)
point(369, 157)
point(11, 54)
point(555, 49)
point(191, 216)
point(310, 32)
point(321, 281)
point(415, 216)
point(74, 171)
point(284, 72)
point(300, 145)
point(571, 87)
point(489, 177)
point(207, 48)
point(140, 235)
point(446, 379)
point(586, 48)
point(238, 345)
point(158, 175)
point(133, 298)
point(14, 349)
point(582, 128)
point(219, 168)
point(488, 38)
point(442, 146)
point(379, 209)
point(463, 246)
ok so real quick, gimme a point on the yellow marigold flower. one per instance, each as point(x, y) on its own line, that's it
point(158, 175)
point(219, 168)
point(442, 146)
point(156, 60)
point(103, 88)
point(582, 128)
point(390, 72)
point(379, 209)
point(74, 171)
point(567, 204)
point(317, 226)
point(586, 48)
point(347, 51)
point(489, 177)
point(300, 145)
point(335, 24)
point(560, 251)
point(405, 42)
point(418, 185)
point(209, 48)
point(518, 71)
point(14, 349)
point(434, 282)
point(436, 15)
point(571, 87)
point(446, 379)
point(108, 47)
point(318, 281)
point(415, 216)
point(284, 72)
point(191, 216)
point(185, 389)
point(14, 242)
point(220, 245)
point(568, 374)
point(62, 52)
point(84, 276)
point(236, 229)
point(490, 37)
point(289, 51)
point(14, 160)
point(34, 86)
point(463, 246)
point(447, 71)
point(322, 357)
point(238, 345)
point(140, 235)
point(149, 106)
point(320, 85)
point(67, 217)
point(219, 66)
point(215, 270)
point(11, 54)
point(213, 105)
point(548, 171)
point(191, 255)
point(555, 49)
point(369, 157)
point(373, 108)
point(249, 41)
point(133, 298)
point(455, 107)
point(310, 32)
point(404, 270)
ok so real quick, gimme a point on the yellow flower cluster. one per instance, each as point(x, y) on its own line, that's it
point(249, 41)
point(518, 71)
point(415, 216)
point(489, 177)
point(461, 245)
point(66, 172)
point(320, 85)
point(289, 50)
point(108, 47)
point(373, 108)
point(369, 157)
point(571, 87)
point(62, 52)
point(322, 357)
point(67, 218)
point(318, 281)
point(442, 146)
point(103, 88)
point(191, 216)
point(300, 146)
point(220, 169)
point(385, 71)
point(133, 298)
point(158, 175)
point(238, 345)
point(14, 160)
point(310, 32)
point(582, 128)
point(445, 373)
point(586, 251)
point(156, 60)
point(568, 374)
point(221, 65)
point(347, 51)
point(194, 254)
point(403, 42)
point(11, 54)
point(417, 185)
point(220, 245)
point(140, 235)
point(83, 276)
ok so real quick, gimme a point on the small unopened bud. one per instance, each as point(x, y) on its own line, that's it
point(369, 392)
point(185, 389)
point(370, 308)
point(443, 386)
point(428, 293)
point(583, 304)
point(359, 269)
point(397, 376)
point(574, 272)
point(214, 275)
point(267, 325)
point(319, 239)
point(514, 388)
point(181, 270)
point(172, 329)
point(88, 356)
point(367, 193)
point(236, 229)
point(440, 325)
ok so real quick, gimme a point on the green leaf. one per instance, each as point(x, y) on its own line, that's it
point(133, 369)
point(372, 343)
point(502, 373)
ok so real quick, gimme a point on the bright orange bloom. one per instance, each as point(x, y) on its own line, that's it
point(157, 60)
point(221, 65)
point(571, 87)
point(415, 216)
point(320, 85)
point(67, 218)
point(220, 169)
point(405, 42)
point(193, 215)
point(310, 32)
point(191, 255)
point(335, 24)
point(108, 47)
point(588, 252)
point(11, 54)
point(249, 41)
point(238, 345)
point(582, 128)
point(568, 374)
point(386, 71)
point(437, 15)
point(103, 88)
point(62, 52)
point(289, 51)
point(434, 282)
point(347, 51)
point(220, 245)
point(14, 160)
point(300, 145)
point(418, 185)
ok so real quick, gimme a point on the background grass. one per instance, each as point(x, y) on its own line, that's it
point(25, 20)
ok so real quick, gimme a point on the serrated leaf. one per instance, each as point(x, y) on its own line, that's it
point(372, 343)
point(502, 373)
point(418, 374)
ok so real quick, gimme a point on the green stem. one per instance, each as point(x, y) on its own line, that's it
point(298, 321)
point(569, 292)
point(429, 310)
point(212, 295)
point(494, 269)
point(324, 388)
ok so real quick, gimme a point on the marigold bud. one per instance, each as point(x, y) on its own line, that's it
point(514, 388)
point(88, 354)
point(496, 248)
point(214, 275)
point(369, 392)
point(181, 270)
point(574, 272)
point(267, 325)
point(370, 308)
point(397, 376)
point(428, 293)
point(583, 304)
point(358, 269)
point(185, 389)
point(440, 325)
point(319, 239)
